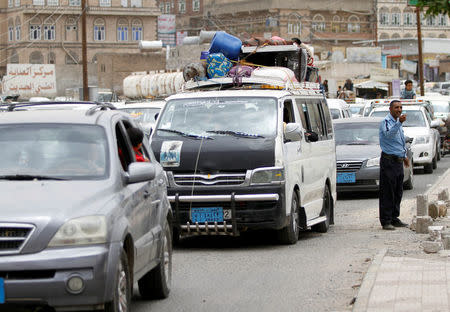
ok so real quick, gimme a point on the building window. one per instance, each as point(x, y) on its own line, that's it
point(353, 26)
point(18, 32)
point(75, 2)
point(38, 2)
point(122, 30)
point(442, 20)
point(99, 30)
point(181, 6)
point(408, 19)
point(431, 20)
point(161, 7)
point(167, 10)
point(104, 3)
point(136, 3)
point(318, 23)
point(10, 33)
point(35, 32)
point(395, 19)
point(51, 58)
point(10, 3)
point(71, 33)
point(384, 18)
point(195, 5)
point(336, 25)
point(49, 32)
point(17, 3)
point(52, 2)
point(14, 57)
point(294, 24)
point(71, 58)
point(136, 30)
point(36, 58)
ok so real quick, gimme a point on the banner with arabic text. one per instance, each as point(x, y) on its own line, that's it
point(29, 80)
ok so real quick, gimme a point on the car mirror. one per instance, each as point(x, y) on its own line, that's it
point(312, 136)
point(140, 172)
point(409, 140)
point(293, 132)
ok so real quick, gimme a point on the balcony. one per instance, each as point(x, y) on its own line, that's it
point(92, 10)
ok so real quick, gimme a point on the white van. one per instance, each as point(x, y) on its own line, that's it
point(255, 157)
point(339, 108)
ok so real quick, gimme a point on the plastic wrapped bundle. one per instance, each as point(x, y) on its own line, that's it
point(195, 71)
point(241, 71)
point(218, 65)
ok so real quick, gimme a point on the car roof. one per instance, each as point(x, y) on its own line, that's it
point(152, 104)
point(357, 120)
point(406, 107)
point(238, 93)
point(337, 103)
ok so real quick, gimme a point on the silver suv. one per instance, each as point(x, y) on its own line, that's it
point(80, 220)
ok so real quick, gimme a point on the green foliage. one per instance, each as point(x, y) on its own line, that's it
point(435, 7)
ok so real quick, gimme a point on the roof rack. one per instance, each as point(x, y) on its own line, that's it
point(254, 83)
point(403, 101)
point(97, 105)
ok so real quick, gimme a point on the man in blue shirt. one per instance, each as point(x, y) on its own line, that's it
point(393, 156)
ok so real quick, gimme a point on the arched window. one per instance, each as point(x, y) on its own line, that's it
point(395, 16)
point(294, 24)
point(318, 23)
point(136, 30)
point(395, 36)
point(430, 35)
point(443, 36)
point(35, 29)
point(384, 36)
point(18, 29)
point(10, 29)
point(51, 58)
point(408, 17)
point(14, 57)
point(71, 58)
point(122, 30)
point(408, 36)
point(336, 25)
point(36, 58)
point(353, 25)
point(442, 20)
point(99, 29)
point(384, 16)
point(49, 29)
point(94, 59)
point(431, 20)
point(71, 29)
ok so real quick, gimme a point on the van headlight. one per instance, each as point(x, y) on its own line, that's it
point(267, 176)
point(422, 140)
point(372, 162)
point(81, 231)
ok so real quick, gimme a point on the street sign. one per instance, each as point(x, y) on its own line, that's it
point(413, 2)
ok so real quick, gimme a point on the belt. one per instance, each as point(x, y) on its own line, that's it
point(392, 157)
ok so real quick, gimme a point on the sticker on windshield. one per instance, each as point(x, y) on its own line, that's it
point(170, 153)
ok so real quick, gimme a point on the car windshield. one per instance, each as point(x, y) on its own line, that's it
point(441, 106)
point(357, 133)
point(68, 151)
point(335, 114)
point(239, 116)
point(355, 109)
point(414, 118)
point(143, 116)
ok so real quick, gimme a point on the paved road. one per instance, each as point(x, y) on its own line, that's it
point(253, 273)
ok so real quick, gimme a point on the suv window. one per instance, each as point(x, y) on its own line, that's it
point(125, 153)
point(328, 122)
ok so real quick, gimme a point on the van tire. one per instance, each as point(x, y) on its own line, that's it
point(289, 234)
point(326, 211)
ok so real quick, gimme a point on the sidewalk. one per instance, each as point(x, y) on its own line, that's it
point(405, 283)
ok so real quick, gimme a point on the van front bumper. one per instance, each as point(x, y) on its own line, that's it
point(41, 279)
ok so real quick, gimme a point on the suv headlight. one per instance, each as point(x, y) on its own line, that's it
point(421, 140)
point(267, 176)
point(372, 162)
point(81, 231)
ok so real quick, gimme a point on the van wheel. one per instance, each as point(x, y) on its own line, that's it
point(289, 234)
point(428, 168)
point(122, 289)
point(156, 283)
point(326, 211)
point(434, 162)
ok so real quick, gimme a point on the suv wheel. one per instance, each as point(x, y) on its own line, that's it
point(156, 283)
point(434, 161)
point(289, 234)
point(326, 211)
point(428, 168)
point(122, 289)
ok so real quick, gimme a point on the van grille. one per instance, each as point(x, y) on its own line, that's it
point(13, 237)
point(348, 166)
point(209, 179)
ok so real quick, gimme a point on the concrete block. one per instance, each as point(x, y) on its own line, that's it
point(432, 247)
point(433, 210)
point(443, 194)
point(446, 239)
point(422, 205)
point(423, 222)
point(435, 232)
point(442, 207)
point(413, 224)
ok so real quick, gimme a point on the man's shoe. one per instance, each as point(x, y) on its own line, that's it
point(399, 223)
point(388, 227)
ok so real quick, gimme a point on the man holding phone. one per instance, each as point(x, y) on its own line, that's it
point(393, 156)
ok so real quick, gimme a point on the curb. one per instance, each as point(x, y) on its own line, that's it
point(362, 299)
point(438, 182)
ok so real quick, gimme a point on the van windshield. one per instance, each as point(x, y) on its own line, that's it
point(255, 116)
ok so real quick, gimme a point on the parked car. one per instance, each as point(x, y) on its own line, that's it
point(420, 127)
point(339, 108)
point(82, 221)
point(358, 155)
point(245, 159)
point(356, 109)
point(442, 87)
point(144, 113)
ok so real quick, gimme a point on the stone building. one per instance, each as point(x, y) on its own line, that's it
point(49, 32)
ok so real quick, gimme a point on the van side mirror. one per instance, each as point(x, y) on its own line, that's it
point(293, 132)
point(312, 136)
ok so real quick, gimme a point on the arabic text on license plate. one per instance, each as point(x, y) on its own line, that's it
point(207, 214)
point(346, 177)
point(2, 290)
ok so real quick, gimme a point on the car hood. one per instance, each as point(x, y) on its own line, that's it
point(357, 152)
point(412, 132)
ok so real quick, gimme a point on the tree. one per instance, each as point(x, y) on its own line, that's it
point(435, 7)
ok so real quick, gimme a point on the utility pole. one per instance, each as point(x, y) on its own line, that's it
point(419, 44)
point(84, 51)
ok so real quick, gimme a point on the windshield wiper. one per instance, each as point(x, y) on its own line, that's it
point(236, 133)
point(189, 135)
point(27, 177)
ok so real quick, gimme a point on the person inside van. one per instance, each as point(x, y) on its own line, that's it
point(136, 136)
point(408, 92)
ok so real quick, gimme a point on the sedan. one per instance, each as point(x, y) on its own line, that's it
point(358, 155)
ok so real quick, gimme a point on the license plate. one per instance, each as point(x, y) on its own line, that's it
point(346, 177)
point(208, 214)
point(2, 290)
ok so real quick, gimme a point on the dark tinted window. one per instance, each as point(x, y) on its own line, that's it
point(326, 113)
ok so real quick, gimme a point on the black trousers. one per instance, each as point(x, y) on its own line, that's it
point(391, 190)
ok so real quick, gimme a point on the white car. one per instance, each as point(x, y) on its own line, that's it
point(339, 108)
point(145, 113)
point(440, 104)
point(418, 126)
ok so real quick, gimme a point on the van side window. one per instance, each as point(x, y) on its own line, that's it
point(315, 118)
point(288, 112)
point(328, 122)
point(303, 111)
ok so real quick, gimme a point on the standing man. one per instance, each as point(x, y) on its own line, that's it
point(408, 92)
point(393, 156)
